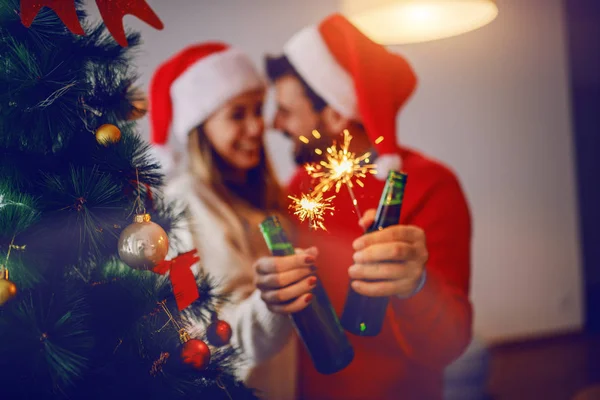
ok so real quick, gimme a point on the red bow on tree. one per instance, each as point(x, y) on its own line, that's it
point(182, 278)
point(112, 12)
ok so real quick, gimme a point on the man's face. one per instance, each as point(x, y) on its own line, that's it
point(296, 117)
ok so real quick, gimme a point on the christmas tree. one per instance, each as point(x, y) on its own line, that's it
point(76, 320)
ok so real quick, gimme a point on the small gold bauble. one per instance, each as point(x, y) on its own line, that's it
point(107, 134)
point(143, 244)
point(8, 290)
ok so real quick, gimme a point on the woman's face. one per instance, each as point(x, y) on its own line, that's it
point(236, 130)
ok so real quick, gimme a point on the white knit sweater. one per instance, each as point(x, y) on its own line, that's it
point(228, 244)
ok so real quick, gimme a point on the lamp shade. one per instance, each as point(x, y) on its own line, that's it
point(410, 21)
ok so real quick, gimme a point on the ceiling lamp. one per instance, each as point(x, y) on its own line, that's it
point(411, 21)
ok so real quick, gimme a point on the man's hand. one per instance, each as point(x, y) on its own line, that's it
point(285, 282)
point(388, 262)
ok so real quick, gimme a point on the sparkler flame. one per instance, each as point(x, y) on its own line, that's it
point(341, 167)
point(311, 168)
point(312, 206)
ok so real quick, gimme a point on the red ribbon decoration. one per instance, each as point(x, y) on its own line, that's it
point(64, 9)
point(112, 12)
point(182, 278)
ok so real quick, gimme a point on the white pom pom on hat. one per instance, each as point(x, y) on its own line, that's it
point(387, 163)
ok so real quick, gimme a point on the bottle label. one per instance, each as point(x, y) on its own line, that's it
point(281, 249)
point(394, 188)
point(390, 204)
point(275, 237)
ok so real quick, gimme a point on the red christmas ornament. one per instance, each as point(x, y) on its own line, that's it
point(219, 333)
point(194, 352)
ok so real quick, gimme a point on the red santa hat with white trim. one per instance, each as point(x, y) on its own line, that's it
point(187, 88)
point(357, 77)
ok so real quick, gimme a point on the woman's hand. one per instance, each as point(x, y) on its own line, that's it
point(286, 282)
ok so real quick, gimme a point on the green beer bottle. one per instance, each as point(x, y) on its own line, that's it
point(362, 315)
point(317, 324)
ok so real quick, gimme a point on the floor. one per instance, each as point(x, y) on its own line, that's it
point(547, 369)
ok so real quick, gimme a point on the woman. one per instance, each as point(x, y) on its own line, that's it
point(206, 115)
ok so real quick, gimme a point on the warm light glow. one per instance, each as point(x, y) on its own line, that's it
point(303, 139)
point(410, 21)
point(316, 134)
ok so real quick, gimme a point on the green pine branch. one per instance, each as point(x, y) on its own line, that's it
point(18, 211)
point(84, 207)
point(83, 325)
point(44, 336)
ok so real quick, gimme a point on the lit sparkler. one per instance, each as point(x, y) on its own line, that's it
point(313, 207)
point(341, 167)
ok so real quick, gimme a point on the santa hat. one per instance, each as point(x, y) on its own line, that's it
point(191, 85)
point(357, 77)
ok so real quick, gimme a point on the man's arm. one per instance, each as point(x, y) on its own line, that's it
point(435, 325)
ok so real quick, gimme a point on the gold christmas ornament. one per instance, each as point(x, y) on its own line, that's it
point(108, 134)
point(143, 244)
point(8, 290)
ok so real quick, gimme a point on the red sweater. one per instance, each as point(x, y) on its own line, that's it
point(421, 335)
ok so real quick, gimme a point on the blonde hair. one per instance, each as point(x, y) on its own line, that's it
point(261, 189)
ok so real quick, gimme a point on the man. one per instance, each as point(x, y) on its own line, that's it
point(330, 78)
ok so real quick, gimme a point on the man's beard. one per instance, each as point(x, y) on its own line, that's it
point(304, 153)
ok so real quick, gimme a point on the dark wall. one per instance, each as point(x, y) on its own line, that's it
point(583, 28)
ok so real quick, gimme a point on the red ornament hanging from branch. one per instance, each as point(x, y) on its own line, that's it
point(112, 12)
point(219, 333)
point(194, 352)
